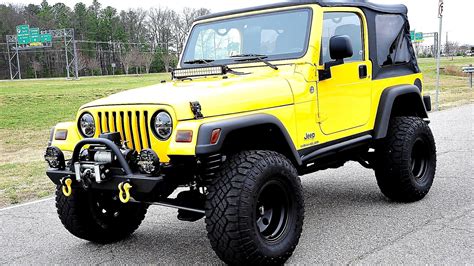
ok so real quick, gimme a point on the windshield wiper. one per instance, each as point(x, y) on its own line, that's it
point(253, 57)
point(199, 61)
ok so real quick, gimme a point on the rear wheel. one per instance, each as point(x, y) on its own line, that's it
point(98, 216)
point(255, 209)
point(406, 160)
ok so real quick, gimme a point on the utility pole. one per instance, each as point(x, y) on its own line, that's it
point(438, 59)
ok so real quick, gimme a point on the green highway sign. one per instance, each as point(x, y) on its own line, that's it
point(31, 36)
point(46, 38)
point(416, 36)
point(23, 39)
point(35, 35)
point(419, 37)
point(22, 30)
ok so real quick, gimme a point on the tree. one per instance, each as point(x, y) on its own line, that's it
point(107, 33)
point(129, 59)
point(62, 15)
point(36, 67)
point(146, 59)
point(82, 62)
point(93, 64)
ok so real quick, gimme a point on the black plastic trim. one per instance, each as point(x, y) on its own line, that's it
point(140, 183)
point(306, 151)
point(203, 145)
point(336, 147)
point(427, 102)
point(385, 107)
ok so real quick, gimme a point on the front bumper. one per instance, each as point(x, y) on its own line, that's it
point(119, 172)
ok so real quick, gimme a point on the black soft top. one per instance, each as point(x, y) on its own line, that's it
point(382, 8)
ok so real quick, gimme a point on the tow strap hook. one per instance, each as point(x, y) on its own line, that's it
point(66, 187)
point(124, 194)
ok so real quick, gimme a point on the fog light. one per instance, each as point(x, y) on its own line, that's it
point(148, 162)
point(55, 157)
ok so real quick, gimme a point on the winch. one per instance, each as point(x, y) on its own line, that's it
point(96, 161)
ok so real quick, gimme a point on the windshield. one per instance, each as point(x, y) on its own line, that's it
point(277, 35)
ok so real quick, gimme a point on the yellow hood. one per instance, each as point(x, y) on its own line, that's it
point(216, 95)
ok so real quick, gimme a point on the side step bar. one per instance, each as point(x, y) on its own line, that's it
point(342, 146)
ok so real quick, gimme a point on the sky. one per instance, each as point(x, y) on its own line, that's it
point(423, 14)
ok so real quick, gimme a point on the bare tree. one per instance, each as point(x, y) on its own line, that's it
point(36, 67)
point(146, 60)
point(81, 62)
point(161, 25)
point(129, 59)
point(93, 64)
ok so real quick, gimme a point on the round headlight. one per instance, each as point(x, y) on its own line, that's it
point(162, 125)
point(87, 125)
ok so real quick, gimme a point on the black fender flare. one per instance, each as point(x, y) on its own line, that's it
point(204, 147)
point(387, 100)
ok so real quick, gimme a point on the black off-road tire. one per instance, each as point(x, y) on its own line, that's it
point(242, 209)
point(82, 215)
point(405, 163)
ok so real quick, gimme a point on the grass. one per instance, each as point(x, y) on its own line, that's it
point(454, 86)
point(28, 108)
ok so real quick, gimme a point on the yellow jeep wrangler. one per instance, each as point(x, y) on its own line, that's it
point(261, 96)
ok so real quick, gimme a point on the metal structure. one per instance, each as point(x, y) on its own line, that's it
point(436, 41)
point(64, 35)
point(469, 70)
point(438, 52)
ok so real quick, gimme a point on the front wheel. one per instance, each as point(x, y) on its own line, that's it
point(255, 209)
point(405, 162)
point(98, 216)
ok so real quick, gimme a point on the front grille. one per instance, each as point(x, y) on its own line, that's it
point(132, 126)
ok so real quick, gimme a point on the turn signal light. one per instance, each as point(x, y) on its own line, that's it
point(185, 136)
point(61, 134)
point(216, 133)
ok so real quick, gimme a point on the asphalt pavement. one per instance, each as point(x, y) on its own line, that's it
point(348, 221)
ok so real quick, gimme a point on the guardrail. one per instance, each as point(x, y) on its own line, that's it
point(470, 70)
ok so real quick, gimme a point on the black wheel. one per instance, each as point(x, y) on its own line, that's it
point(98, 216)
point(255, 209)
point(406, 160)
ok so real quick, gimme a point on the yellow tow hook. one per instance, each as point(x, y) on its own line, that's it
point(67, 190)
point(124, 194)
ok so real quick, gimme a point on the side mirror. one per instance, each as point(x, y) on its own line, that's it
point(340, 47)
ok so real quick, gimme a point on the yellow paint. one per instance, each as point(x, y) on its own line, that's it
point(339, 107)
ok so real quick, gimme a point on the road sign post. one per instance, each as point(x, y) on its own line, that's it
point(469, 70)
point(438, 57)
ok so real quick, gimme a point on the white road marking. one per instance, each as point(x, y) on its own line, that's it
point(26, 204)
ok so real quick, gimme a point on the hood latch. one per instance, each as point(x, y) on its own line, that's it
point(196, 109)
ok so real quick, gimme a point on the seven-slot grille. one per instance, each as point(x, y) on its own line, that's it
point(132, 126)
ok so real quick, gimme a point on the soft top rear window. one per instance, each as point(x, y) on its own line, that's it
point(392, 44)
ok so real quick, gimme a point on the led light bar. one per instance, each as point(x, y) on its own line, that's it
point(200, 71)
